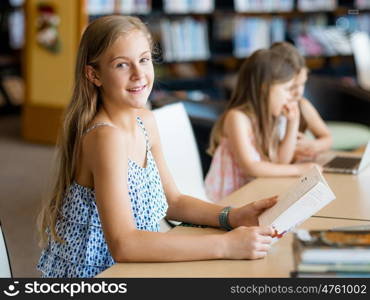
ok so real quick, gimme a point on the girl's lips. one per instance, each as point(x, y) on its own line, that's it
point(137, 89)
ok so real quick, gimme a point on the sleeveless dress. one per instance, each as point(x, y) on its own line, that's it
point(225, 175)
point(85, 252)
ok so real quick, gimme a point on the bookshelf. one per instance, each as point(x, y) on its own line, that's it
point(202, 41)
point(11, 35)
point(231, 30)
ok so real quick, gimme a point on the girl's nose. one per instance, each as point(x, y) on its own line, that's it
point(137, 72)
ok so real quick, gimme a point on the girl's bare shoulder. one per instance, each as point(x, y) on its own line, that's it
point(306, 106)
point(236, 120)
point(237, 116)
point(304, 103)
point(104, 140)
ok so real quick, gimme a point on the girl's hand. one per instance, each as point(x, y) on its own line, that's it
point(247, 215)
point(291, 111)
point(247, 242)
point(305, 146)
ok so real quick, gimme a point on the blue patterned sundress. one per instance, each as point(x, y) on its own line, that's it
point(85, 252)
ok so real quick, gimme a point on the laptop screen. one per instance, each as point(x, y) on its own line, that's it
point(365, 161)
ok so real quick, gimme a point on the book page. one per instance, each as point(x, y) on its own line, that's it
point(306, 197)
point(310, 203)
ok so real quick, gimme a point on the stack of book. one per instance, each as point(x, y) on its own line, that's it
point(332, 253)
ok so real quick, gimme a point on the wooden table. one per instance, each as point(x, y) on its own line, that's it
point(278, 263)
point(353, 201)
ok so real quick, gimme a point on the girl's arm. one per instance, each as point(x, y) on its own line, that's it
point(106, 153)
point(287, 146)
point(318, 128)
point(238, 128)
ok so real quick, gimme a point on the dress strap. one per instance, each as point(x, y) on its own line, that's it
point(96, 125)
point(141, 124)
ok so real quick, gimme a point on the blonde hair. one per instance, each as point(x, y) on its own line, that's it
point(251, 96)
point(85, 102)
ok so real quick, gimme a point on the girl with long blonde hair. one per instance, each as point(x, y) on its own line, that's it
point(113, 186)
point(245, 141)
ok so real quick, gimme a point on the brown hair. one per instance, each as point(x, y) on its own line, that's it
point(85, 102)
point(251, 96)
point(291, 52)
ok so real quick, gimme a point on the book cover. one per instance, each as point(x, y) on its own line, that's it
point(304, 198)
point(333, 247)
point(332, 253)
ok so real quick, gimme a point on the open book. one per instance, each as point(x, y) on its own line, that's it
point(306, 197)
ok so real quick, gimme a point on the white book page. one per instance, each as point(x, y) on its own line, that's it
point(307, 196)
point(310, 203)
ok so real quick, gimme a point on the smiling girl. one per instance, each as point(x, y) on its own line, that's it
point(113, 186)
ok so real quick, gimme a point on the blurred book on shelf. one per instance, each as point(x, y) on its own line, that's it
point(16, 29)
point(188, 6)
point(107, 7)
point(342, 252)
point(100, 7)
point(333, 40)
point(184, 39)
point(263, 6)
point(251, 34)
point(362, 4)
point(140, 7)
point(14, 87)
point(316, 5)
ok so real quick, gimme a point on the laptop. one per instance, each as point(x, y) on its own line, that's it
point(349, 165)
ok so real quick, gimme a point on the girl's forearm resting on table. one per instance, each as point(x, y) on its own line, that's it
point(146, 246)
point(195, 211)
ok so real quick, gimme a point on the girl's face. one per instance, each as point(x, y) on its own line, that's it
point(298, 85)
point(126, 73)
point(280, 94)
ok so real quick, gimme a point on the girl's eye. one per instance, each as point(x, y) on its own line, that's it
point(122, 65)
point(145, 59)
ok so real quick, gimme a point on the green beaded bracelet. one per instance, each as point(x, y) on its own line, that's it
point(224, 218)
